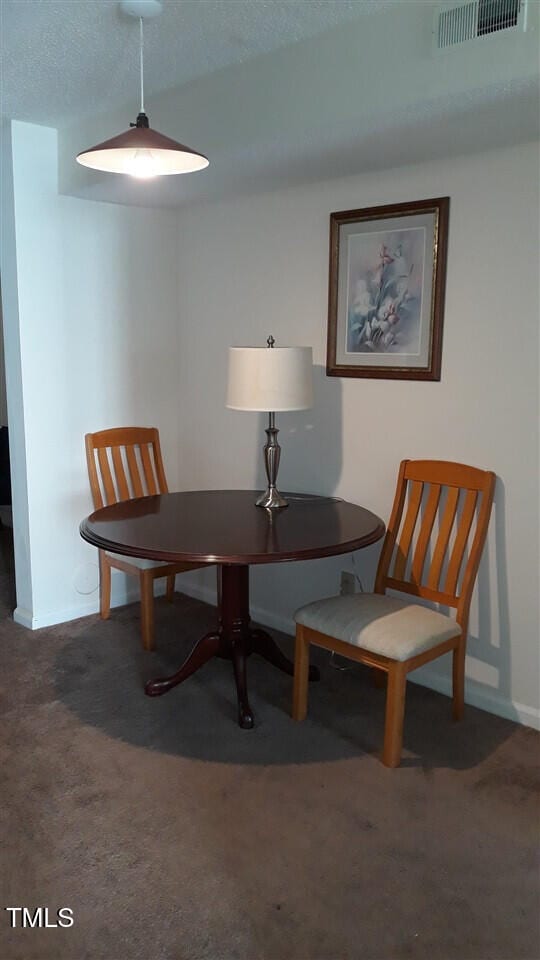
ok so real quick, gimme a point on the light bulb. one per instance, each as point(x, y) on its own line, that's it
point(142, 165)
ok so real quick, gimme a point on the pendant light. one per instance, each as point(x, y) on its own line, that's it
point(142, 152)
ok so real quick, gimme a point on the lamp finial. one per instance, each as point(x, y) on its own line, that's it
point(270, 341)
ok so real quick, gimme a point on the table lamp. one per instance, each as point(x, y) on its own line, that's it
point(270, 379)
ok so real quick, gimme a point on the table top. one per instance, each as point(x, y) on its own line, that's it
point(225, 526)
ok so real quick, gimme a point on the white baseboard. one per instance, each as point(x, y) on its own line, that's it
point(198, 592)
point(23, 616)
point(475, 694)
point(54, 617)
point(84, 608)
point(483, 698)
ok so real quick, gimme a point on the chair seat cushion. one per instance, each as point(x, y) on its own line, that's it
point(397, 629)
point(141, 562)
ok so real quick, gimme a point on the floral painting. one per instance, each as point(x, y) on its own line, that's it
point(387, 267)
point(385, 292)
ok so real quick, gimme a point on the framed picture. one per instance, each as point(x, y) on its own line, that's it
point(386, 291)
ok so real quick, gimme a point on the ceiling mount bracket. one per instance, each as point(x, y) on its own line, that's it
point(145, 9)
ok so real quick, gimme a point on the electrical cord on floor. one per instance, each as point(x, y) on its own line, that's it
point(355, 571)
point(338, 664)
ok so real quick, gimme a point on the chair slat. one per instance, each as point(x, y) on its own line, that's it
point(158, 462)
point(134, 474)
point(404, 544)
point(120, 474)
point(443, 538)
point(424, 535)
point(462, 535)
point(392, 530)
point(106, 476)
point(148, 470)
point(93, 473)
point(473, 561)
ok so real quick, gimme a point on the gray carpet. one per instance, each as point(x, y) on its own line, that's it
point(171, 833)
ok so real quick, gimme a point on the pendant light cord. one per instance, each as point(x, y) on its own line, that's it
point(141, 31)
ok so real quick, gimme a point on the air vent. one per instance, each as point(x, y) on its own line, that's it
point(467, 21)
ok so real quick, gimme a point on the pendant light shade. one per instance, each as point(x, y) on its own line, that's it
point(142, 152)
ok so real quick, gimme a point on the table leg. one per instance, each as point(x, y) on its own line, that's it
point(245, 713)
point(265, 645)
point(203, 651)
point(234, 629)
point(234, 639)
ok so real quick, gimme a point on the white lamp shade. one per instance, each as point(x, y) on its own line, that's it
point(270, 379)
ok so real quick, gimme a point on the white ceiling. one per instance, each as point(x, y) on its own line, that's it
point(274, 92)
point(78, 57)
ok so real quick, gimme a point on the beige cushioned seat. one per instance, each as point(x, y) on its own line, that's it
point(398, 629)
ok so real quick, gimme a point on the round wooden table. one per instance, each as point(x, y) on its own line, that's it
point(224, 527)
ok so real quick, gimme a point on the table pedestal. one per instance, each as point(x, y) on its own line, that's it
point(234, 640)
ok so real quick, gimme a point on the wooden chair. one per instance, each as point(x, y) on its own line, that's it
point(431, 550)
point(124, 463)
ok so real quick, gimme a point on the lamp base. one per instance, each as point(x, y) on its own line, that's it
point(271, 499)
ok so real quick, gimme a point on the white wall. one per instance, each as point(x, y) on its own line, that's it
point(257, 265)
point(90, 315)
point(12, 353)
point(114, 315)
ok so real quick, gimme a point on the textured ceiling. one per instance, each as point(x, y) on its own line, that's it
point(286, 90)
point(76, 57)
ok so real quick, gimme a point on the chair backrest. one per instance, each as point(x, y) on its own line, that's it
point(123, 463)
point(436, 532)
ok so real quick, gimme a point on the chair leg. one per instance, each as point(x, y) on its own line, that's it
point(170, 588)
point(147, 609)
point(104, 586)
point(395, 711)
point(301, 672)
point(458, 680)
